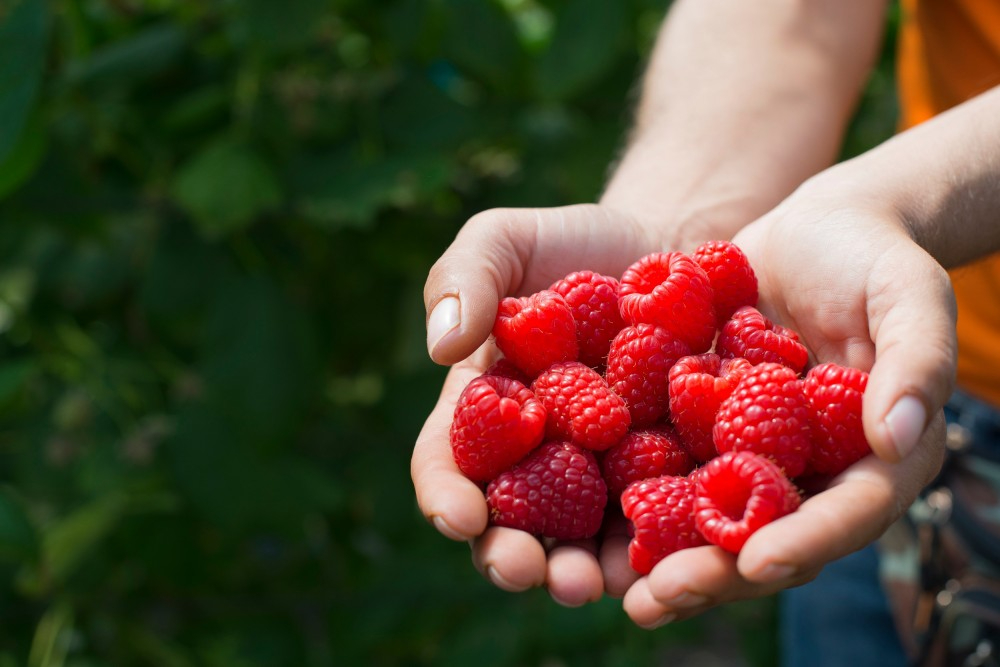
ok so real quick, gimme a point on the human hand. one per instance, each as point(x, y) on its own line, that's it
point(500, 253)
point(861, 293)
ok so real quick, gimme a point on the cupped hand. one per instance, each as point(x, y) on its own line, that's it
point(860, 293)
point(499, 253)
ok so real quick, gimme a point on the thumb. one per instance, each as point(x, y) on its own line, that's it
point(484, 263)
point(912, 315)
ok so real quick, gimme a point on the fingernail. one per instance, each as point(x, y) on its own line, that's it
point(446, 530)
point(774, 572)
point(686, 600)
point(566, 603)
point(499, 581)
point(661, 621)
point(905, 423)
point(445, 318)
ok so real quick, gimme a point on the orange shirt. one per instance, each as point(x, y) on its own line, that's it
point(949, 51)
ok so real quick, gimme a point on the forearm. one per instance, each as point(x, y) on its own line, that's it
point(741, 102)
point(941, 178)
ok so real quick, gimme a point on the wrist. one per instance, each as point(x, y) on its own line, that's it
point(684, 202)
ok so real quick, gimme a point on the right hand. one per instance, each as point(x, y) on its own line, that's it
point(500, 253)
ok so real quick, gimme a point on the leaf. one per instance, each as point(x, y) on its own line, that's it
point(225, 188)
point(279, 25)
point(24, 157)
point(584, 47)
point(18, 539)
point(52, 636)
point(237, 487)
point(23, 37)
point(481, 39)
point(259, 360)
point(336, 191)
point(146, 53)
point(70, 540)
point(14, 375)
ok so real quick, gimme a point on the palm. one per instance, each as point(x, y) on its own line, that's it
point(857, 290)
point(498, 254)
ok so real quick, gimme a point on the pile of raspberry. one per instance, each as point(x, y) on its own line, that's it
point(664, 393)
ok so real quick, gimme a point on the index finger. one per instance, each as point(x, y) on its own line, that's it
point(854, 511)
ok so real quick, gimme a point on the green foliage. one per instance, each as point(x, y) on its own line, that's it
point(218, 217)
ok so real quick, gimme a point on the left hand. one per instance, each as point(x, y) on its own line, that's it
point(860, 292)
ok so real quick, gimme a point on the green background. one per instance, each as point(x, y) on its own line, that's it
point(216, 218)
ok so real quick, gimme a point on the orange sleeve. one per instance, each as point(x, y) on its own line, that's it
point(949, 51)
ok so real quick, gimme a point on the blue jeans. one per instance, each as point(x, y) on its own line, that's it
point(842, 618)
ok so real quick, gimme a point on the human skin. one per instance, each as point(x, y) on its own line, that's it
point(697, 170)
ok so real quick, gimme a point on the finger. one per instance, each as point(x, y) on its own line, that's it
point(911, 310)
point(644, 609)
point(483, 264)
point(453, 503)
point(512, 559)
point(854, 511)
point(573, 576)
point(691, 581)
point(503, 252)
point(613, 556)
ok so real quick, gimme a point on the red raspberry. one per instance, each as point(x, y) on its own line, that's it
point(536, 331)
point(736, 494)
point(497, 422)
point(698, 386)
point(661, 512)
point(671, 291)
point(767, 414)
point(750, 335)
point(505, 369)
point(638, 370)
point(834, 395)
point(734, 283)
point(644, 454)
point(593, 298)
point(556, 491)
point(581, 407)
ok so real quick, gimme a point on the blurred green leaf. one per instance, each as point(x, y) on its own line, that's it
point(225, 187)
point(237, 487)
point(279, 25)
point(481, 39)
point(144, 54)
point(71, 539)
point(259, 360)
point(23, 37)
point(13, 376)
point(586, 43)
point(18, 539)
point(24, 157)
point(339, 191)
point(51, 642)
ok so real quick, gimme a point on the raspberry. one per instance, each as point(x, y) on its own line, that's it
point(644, 454)
point(497, 422)
point(750, 335)
point(556, 491)
point(536, 331)
point(733, 281)
point(767, 414)
point(834, 396)
point(671, 291)
point(580, 405)
point(661, 512)
point(698, 386)
point(593, 299)
point(505, 369)
point(638, 370)
point(736, 494)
